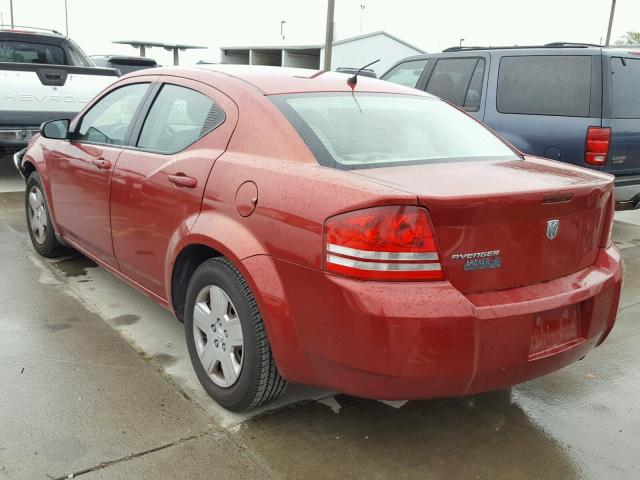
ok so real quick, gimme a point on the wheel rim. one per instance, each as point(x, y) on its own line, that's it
point(218, 336)
point(38, 215)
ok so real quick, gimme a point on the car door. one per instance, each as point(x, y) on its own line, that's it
point(81, 169)
point(158, 183)
point(460, 81)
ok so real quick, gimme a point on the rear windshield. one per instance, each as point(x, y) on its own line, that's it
point(625, 80)
point(366, 130)
point(27, 52)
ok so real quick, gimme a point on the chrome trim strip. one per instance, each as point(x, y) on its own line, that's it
point(17, 160)
point(404, 267)
point(370, 255)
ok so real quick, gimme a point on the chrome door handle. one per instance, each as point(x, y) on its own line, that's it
point(102, 164)
point(181, 180)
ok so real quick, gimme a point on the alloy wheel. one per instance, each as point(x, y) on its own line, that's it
point(218, 336)
point(38, 215)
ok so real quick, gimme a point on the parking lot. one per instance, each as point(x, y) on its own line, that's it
point(96, 382)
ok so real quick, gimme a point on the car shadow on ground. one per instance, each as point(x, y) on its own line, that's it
point(480, 436)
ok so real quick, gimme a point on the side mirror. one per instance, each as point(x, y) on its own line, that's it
point(55, 129)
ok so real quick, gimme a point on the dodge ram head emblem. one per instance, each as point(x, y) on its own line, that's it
point(552, 229)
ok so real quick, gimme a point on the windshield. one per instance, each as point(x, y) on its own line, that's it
point(365, 130)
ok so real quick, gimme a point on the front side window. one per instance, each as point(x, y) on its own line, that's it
point(179, 116)
point(367, 130)
point(625, 80)
point(451, 79)
point(545, 85)
point(27, 52)
point(407, 73)
point(108, 120)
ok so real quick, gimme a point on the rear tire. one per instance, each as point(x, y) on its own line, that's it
point(226, 338)
point(41, 231)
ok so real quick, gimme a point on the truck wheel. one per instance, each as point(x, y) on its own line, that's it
point(226, 338)
point(39, 223)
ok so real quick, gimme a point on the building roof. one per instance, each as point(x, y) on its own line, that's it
point(374, 34)
point(320, 46)
point(281, 80)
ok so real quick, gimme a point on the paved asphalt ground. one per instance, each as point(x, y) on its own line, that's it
point(94, 381)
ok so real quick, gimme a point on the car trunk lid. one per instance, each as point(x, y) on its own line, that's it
point(507, 224)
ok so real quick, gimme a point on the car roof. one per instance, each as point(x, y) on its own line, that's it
point(280, 80)
point(41, 33)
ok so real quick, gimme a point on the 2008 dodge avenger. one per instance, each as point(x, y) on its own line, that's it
point(341, 232)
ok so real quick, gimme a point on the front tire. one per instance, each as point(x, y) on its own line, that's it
point(41, 231)
point(226, 338)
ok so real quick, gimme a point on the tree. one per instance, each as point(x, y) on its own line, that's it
point(631, 38)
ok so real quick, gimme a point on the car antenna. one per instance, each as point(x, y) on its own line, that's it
point(352, 81)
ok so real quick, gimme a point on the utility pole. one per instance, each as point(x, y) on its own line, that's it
point(613, 9)
point(66, 18)
point(328, 43)
point(11, 10)
point(282, 22)
point(362, 7)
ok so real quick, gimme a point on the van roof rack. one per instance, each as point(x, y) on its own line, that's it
point(546, 45)
point(38, 29)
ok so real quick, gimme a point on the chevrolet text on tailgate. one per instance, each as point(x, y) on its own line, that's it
point(359, 236)
point(44, 76)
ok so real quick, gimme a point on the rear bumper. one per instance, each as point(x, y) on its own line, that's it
point(421, 340)
point(627, 192)
point(16, 136)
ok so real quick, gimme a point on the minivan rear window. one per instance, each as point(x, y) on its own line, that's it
point(365, 130)
point(626, 81)
point(545, 85)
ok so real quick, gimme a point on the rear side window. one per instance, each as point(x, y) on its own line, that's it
point(179, 116)
point(368, 130)
point(626, 83)
point(459, 81)
point(27, 52)
point(407, 73)
point(545, 85)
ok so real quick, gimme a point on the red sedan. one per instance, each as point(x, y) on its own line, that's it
point(363, 237)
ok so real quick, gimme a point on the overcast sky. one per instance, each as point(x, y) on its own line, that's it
point(429, 25)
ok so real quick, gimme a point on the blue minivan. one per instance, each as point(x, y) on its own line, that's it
point(575, 103)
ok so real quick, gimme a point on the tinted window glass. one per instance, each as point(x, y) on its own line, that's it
point(179, 116)
point(626, 85)
point(474, 93)
point(23, 52)
point(407, 73)
point(450, 79)
point(364, 130)
point(108, 120)
point(545, 85)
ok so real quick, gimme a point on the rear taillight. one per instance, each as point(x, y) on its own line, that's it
point(382, 243)
point(598, 139)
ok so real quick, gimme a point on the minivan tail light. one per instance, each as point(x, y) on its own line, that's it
point(598, 140)
point(382, 243)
